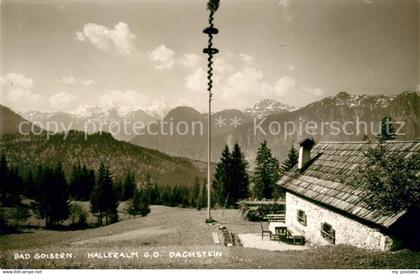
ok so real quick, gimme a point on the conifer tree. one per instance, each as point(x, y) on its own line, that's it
point(88, 177)
point(267, 173)
point(144, 207)
point(119, 190)
point(60, 204)
point(10, 184)
point(30, 185)
point(41, 206)
point(222, 177)
point(75, 182)
point(291, 161)
point(21, 214)
point(104, 200)
point(185, 194)
point(133, 205)
point(195, 193)
point(4, 171)
point(149, 189)
point(82, 180)
point(166, 196)
point(176, 197)
point(239, 182)
point(138, 204)
point(52, 198)
point(153, 194)
point(129, 186)
point(387, 130)
point(231, 181)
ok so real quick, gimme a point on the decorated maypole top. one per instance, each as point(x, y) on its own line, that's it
point(212, 6)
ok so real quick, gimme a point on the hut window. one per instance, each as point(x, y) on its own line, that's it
point(301, 217)
point(328, 233)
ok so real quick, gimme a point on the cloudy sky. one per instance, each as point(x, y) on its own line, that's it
point(57, 55)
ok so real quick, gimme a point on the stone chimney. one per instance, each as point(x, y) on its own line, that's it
point(305, 147)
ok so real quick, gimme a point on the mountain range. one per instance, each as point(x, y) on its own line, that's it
point(92, 118)
point(344, 111)
point(109, 117)
point(267, 107)
point(266, 120)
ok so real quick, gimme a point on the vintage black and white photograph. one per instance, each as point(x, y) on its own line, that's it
point(210, 134)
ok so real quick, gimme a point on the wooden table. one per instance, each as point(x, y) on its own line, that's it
point(295, 236)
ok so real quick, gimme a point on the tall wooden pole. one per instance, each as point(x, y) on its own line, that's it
point(212, 5)
point(209, 218)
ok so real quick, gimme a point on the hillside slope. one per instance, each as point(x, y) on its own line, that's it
point(10, 122)
point(30, 151)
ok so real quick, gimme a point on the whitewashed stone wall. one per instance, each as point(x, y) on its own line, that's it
point(347, 231)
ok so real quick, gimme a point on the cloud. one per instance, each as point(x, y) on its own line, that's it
point(197, 81)
point(80, 36)
point(245, 81)
point(249, 85)
point(190, 60)
point(23, 100)
point(68, 80)
point(71, 80)
point(313, 91)
point(118, 40)
point(222, 66)
point(284, 85)
point(246, 58)
point(87, 83)
point(62, 101)
point(16, 80)
point(367, 2)
point(17, 94)
point(285, 5)
point(290, 68)
point(162, 57)
point(124, 98)
point(237, 82)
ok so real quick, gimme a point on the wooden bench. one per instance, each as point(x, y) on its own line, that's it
point(281, 217)
point(295, 236)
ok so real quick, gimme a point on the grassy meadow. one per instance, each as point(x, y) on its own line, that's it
point(161, 240)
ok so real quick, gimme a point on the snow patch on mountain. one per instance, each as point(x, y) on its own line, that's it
point(266, 107)
point(360, 100)
point(157, 111)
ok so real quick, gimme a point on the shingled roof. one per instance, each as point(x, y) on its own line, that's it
point(328, 178)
